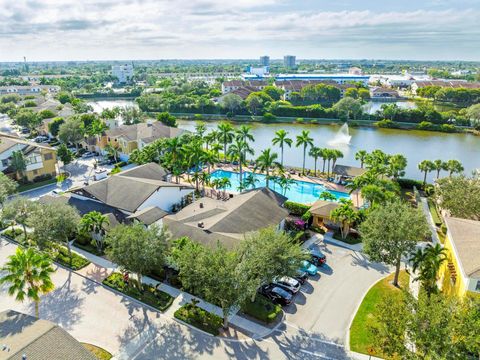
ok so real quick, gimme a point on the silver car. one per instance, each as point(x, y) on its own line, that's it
point(290, 284)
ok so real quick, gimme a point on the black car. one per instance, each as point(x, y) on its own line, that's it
point(317, 258)
point(276, 294)
point(301, 276)
point(290, 284)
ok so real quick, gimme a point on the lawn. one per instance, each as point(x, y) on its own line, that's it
point(262, 309)
point(98, 352)
point(433, 210)
point(202, 319)
point(150, 296)
point(360, 336)
point(27, 187)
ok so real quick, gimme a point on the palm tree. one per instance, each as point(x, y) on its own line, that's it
point(18, 163)
point(439, 165)
point(112, 151)
point(304, 140)
point(193, 153)
point(265, 161)
point(315, 152)
point(285, 183)
point(329, 154)
point(324, 156)
point(454, 166)
point(94, 222)
point(238, 150)
point(244, 133)
point(224, 183)
point(250, 181)
point(361, 155)
point(282, 139)
point(327, 196)
point(374, 194)
point(336, 154)
point(428, 261)
point(208, 157)
point(396, 165)
point(205, 179)
point(225, 135)
point(200, 128)
point(210, 138)
point(425, 166)
point(345, 215)
point(27, 274)
point(96, 128)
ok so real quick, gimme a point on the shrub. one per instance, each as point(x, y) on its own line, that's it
point(30, 103)
point(13, 233)
point(198, 117)
point(295, 208)
point(317, 229)
point(150, 296)
point(449, 128)
point(83, 238)
point(306, 217)
point(41, 178)
point(385, 123)
point(76, 262)
point(46, 114)
point(409, 183)
point(269, 117)
point(351, 239)
point(261, 309)
point(425, 125)
point(202, 319)
point(300, 236)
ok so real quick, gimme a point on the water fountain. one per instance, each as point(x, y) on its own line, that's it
point(342, 137)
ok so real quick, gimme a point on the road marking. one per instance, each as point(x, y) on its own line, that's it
point(320, 355)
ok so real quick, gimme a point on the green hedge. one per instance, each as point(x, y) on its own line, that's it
point(262, 309)
point(150, 296)
point(410, 183)
point(295, 208)
point(350, 239)
point(202, 319)
point(13, 233)
point(433, 210)
point(77, 262)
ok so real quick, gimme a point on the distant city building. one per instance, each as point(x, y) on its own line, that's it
point(259, 71)
point(338, 78)
point(123, 73)
point(355, 71)
point(289, 61)
point(265, 60)
point(29, 89)
point(232, 85)
point(454, 84)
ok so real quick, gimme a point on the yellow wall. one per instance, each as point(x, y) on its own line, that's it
point(459, 287)
point(48, 166)
point(123, 146)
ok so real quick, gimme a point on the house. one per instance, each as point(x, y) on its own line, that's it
point(29, 89)
point(348, 172)
point(454, 84)
point(383, 93)
point(24, 337)
point(209, 221)
point(231, 85)
point(130, 137)
point(460, 274)
point(40, 160)
point(142, 193)
point(320, 212)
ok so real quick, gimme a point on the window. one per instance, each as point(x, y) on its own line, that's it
point(48, 156)
point(5, 162)
point(35, 172)
point(477, 288)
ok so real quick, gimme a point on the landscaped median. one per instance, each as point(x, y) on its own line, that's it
point(202, 319)
point(149, 295)
point(361, 337)
point(76, 262)
point(262, 309)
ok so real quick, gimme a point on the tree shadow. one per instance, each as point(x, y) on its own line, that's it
point(359, 259)
point(15, 323)
point(245, 350)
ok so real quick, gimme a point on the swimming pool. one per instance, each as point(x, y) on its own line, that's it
point(300, 191)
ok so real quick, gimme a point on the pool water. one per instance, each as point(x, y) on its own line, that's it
point(300, 191)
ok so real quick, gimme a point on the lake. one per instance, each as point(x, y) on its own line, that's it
point(415, 145)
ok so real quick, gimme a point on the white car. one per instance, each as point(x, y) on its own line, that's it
point(290, 284)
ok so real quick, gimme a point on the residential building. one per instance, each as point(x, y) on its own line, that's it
point(454, 84)
point(209, 221)
point(40, 160)
point(460, 274)
point(123, 73)
point(130, 137)
point(355, 71)
point(383, 93)
point(348, 172)
point(231, 85)
point(258, 71)
point(265, 60)
point(321, 211)
point(25, 337)
point(28, 89)
point(289, 61)
point(141, 193)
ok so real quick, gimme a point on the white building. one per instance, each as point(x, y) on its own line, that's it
point(28, 89)
point(123, 73)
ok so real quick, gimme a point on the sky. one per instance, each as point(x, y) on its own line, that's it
point(232, 29)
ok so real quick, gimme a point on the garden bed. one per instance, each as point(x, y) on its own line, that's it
point(26, 187)
point(350, 239)
point(92, 249)
point(433, 210)
point(158, 299)
point(76, 262)
point(361, 338)
point(98, 352)
point(262, 309)
point(202, 319)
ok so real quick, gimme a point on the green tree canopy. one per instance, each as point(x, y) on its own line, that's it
point(460, 195)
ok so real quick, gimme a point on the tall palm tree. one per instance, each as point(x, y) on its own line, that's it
point(250, 181)
point(175, 151)
point(454, 166)
point(425, 166)
point(361, 155)
point(281, 138)
point(238, 150)
point(94, 222)
point(266, 161)
point(200, 128)
point(439, 165)
point(315, 152)
point(205, 179)
point(112, 151)
point(329, 154)
point(345, 215)
point(224, 183)
point(285, 183)
point(210, 138)
point(193, 154)
point(225, 136)
point(336, 154)
point(324, 156)
point(17, 161)
point(428, 262)
point(27, 275)
point(327, 196)
point(304, 140)
point(396, 165)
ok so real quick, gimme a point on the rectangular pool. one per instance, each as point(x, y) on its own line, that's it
point(300, 191)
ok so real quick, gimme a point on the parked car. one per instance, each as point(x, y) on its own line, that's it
point(25, 130)
point(309, 268)
point(276, 294)
point(289, 284)
point(88, 154)
point(301, 276)
point(41, 139)
point(317, 257)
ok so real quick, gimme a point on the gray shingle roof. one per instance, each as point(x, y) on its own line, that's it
point(323, 208)
point(346, 170)
point(465, 235)
point(37, 339)
point(228, 221)
point(149, 215)
point(155, 130)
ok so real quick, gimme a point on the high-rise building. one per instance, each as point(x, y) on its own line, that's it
point(265, 60)
point(289, 61)
point(123, 73)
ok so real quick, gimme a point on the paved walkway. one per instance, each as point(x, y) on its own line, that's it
point(100, 268)
point(428, 215)
point(328, 238)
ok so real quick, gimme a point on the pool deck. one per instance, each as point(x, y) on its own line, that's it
point(354, 196)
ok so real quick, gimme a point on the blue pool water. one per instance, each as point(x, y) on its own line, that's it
point(300, 191)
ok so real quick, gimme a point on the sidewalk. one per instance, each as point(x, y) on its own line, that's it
point(428, 215)
point(100, 268)
point(327, 238)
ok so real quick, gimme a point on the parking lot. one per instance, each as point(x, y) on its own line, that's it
point(327, 301)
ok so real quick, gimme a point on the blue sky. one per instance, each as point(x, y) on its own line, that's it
point(200, 29)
